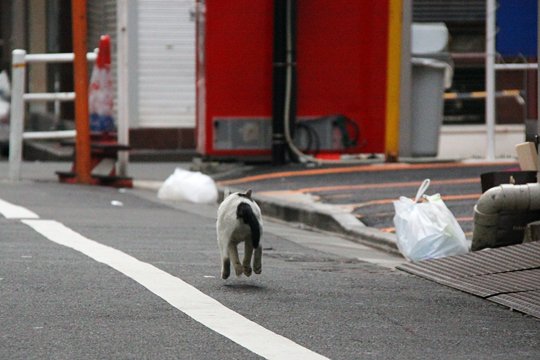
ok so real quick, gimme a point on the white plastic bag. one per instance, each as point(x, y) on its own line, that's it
point(5, 86)
point(5, 93)
point(427, 230)
point(184, 185)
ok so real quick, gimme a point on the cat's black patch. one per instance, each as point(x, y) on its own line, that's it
point(244, 212)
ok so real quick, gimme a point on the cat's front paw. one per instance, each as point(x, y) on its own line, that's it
point(247, 270)
point(225, 274)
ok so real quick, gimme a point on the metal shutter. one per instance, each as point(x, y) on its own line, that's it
point(449, 10)
point(166, 63)
point(101, 15)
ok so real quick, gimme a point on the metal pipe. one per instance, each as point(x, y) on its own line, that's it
point(524, 66)
point(393, 77)
point(289, 110)
point(60, 134)
point(490, 78)
point(492, 202)
point(80, 76)
point(16, 121)
point(123, 83)
point(58, 96)
point(57, 58)
point(278, 83)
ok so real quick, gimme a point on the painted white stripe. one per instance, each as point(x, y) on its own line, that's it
point(180, 294)
point(11, 211)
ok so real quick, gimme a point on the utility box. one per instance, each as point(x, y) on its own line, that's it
point(341, 52)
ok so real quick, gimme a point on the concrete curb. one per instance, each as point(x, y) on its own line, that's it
point(323, 217)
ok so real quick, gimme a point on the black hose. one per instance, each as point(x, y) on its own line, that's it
point(284, 68)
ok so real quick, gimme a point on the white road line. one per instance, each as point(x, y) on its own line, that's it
point(179, 294)
point(11, 211)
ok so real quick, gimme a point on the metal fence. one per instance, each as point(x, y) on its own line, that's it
point(19, 97)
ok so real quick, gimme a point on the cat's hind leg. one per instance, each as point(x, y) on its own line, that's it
point(233, 254)
point(225, 261)
point(257, 260)
point(248, 252)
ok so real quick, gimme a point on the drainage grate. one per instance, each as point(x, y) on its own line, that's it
point(509, 275)
point(527, 302)
point(501, 283)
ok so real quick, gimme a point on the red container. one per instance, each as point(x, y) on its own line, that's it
point(341, 69)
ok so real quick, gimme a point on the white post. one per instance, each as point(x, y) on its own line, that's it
point(18, 74)
point(490, 78)
point(123, 83)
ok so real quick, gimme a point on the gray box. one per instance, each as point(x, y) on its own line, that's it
point(232, 133)
point(428, 84)
point(253, 133)
point(431, 74)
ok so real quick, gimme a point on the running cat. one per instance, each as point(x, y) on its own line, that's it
point(239, 220)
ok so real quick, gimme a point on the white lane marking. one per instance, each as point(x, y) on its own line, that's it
point(12, 211)
point(179, 294)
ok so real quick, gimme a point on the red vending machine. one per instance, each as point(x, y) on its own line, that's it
point(341, 51)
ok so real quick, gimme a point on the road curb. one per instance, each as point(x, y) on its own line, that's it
point(322, 217)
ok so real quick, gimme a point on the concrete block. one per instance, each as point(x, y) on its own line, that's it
point(527, 156)
point(532, 232)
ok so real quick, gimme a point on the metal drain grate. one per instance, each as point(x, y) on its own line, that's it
point(509, 275)
point(527, 302)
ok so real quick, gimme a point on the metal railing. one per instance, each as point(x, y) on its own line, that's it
point(18, 98)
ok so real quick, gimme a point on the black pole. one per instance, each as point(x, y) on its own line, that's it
point(284, 61)
point(292, 67)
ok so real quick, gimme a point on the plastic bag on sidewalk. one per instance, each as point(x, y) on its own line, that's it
point(427, 230)
point(184, 185)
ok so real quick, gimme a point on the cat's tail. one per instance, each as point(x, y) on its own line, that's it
point(245, 212)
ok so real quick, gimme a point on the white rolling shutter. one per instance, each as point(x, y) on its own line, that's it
point(101, 16)
point(166, 63)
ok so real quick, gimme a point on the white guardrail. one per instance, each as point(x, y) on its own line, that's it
point(18, 98)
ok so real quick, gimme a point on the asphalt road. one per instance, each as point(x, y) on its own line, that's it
point(57, 303)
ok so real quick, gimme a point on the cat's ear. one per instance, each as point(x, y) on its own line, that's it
point(248, 194)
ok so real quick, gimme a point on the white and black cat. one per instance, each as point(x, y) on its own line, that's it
point(239, 220)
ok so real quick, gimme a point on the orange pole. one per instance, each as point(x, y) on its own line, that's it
point(393, 80)
point(80, 77)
